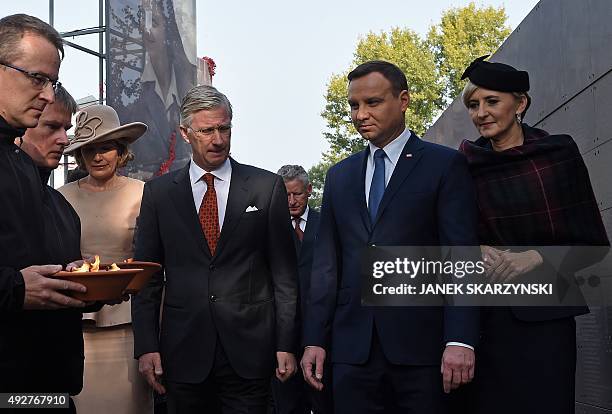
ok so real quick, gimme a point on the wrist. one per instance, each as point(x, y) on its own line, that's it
point(536, 258)
point(461, 344)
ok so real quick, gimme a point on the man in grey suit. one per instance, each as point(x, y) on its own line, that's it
point(221, 231)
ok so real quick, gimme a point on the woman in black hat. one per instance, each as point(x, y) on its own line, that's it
point(533, 191)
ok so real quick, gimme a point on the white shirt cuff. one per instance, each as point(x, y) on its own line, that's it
point(460, 344)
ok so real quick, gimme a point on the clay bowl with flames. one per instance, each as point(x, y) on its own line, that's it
point(103, 282)
point(146, 270)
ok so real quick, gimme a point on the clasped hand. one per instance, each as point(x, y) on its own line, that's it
point(505, 266)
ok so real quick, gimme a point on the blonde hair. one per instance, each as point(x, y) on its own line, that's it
point(467, 92)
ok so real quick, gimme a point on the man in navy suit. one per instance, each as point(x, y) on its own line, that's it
point(399, 191)
point(295, 396)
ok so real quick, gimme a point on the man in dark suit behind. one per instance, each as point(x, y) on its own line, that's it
point(295, 396)
point(221, 231)
point(400, 191)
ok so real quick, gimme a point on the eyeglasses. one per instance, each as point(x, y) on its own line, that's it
point(224, 130)
point(38, 80)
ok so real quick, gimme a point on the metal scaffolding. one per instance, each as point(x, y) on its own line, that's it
point(100, 54)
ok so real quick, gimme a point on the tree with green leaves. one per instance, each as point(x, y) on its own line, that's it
point(462, 35)
point(432, 65)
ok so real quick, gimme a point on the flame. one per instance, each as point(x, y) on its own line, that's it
point(84, 267)
point(89, 267)
point(114, 267)
point(95, 266)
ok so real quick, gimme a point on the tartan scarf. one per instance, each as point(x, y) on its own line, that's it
point(538, 193)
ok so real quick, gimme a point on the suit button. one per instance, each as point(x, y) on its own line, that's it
point(213, 298)
point(211, 267)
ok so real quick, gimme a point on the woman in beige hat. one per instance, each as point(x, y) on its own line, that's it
point(107, 204)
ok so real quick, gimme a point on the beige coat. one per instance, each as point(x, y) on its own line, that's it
point(108, 220)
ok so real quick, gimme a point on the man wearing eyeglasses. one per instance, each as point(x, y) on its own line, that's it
point(59, 366)
point(29, 65)
point(222, 232)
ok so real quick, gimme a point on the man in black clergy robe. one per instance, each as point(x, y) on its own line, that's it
point(29, 65)
point(58, 367)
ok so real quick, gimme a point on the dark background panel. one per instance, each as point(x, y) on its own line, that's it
point(576, 118)
point(587, 409)
point(457, 127)
point(600, 31)
point(602, 91)
point(594, 368)
point(594, 335)
point(598, 162)
point(577, 53)
point(537, 49)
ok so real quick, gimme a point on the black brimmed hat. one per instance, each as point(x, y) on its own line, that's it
point(496, 76)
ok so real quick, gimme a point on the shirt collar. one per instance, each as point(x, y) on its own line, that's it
point(223, 173)
point(305, 215)
point(393, 150)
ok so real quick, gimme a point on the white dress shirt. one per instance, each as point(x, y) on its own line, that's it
point(304, 219)
point(223, 176)
point(393, 151)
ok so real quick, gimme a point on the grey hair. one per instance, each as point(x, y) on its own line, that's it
point(294, 172)
point(470, 88)
point(202, 97)
point(66, 100)
point(14, 27)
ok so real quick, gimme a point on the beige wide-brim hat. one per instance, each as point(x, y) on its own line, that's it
point(100, 123)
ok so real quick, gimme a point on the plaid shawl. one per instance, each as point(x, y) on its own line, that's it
point(535, 194)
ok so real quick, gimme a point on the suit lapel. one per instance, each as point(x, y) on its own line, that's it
point(411, 154)
point(237, 203)
point(311, 225)
point(358, 188)
point(182, 196)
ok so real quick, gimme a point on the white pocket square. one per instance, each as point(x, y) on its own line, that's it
point(251, 208)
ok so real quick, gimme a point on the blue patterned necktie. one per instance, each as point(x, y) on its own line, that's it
point(377, 187)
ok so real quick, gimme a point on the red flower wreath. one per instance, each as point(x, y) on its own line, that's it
point(165, 166)
point(211, 65)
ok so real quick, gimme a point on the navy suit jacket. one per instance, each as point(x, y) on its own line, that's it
point(304, 251)
point(429, 201)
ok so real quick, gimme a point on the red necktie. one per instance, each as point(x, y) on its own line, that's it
point(209, 215)
point(298, 230)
